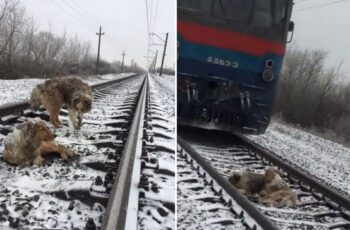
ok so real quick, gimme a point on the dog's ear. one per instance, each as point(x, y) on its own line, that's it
point(28, 128)
point(87, 104)
point(41, 87)
point(234, 178)
point(31, 128)
point(75, 100)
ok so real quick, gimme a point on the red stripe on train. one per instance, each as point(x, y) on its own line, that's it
point(205, 35)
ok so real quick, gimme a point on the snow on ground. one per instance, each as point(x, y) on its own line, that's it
point(158, 208)
point(18, 90)
point(63, 195)
point(322, 158)
point(166, 87)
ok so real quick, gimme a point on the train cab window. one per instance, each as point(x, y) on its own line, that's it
point(190, 4)
point(269, 13)
point(236, 10)
point(262, 15)
point(279, 12)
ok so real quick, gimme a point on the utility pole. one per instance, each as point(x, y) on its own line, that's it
point(166, 42)
point(155, 62)
point(132, 60)
point(123, 61)
point(98, 52)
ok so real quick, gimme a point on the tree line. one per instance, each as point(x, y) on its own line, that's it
point(313, 96)
point(26, 52)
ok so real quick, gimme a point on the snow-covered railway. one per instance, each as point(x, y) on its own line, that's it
point(78, 194)
point(215, 155)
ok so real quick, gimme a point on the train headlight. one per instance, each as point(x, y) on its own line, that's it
point(269, 64)
point(268, 75)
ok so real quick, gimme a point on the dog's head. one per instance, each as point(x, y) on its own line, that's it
point(235, 178)
point(82, 103)
point(271, 173)
point(36, 129)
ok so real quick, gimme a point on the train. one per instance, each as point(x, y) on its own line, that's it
point(230, 55)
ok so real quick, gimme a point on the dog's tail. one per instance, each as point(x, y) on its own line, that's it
point(35, 99)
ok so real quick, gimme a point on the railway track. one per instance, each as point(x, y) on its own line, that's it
point(207, 158)
point(79, 194)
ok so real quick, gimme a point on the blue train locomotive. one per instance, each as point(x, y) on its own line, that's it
point(230, 54)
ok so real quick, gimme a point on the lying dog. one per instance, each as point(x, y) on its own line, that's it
point(248, 183)
point(280, 198)
point(270, 187)
point(29, 141)
point(274, 181)
point(55, 93)
point(277, 192)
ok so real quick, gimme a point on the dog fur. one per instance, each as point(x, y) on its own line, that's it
point(29, 142)
point(270, 188)
point(274, 181)
point(248, 183)
point(277, 192)
point(280, 198)
point(55, 93)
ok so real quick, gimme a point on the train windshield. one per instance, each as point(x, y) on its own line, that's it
point(261, 13)
point(189, 4)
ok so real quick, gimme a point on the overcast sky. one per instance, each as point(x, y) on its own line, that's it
point(326, 28)
point(125, 25)
point(123, 21)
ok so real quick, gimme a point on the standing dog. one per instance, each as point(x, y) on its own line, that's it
point(55, 93)
point(29, 141)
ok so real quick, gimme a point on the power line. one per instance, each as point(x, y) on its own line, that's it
point(148, 28)
point(300, 1)
point(150, 16)
point(82, 9)
point(155, 18)
point(88, 26)
point(93, 23)
point(321, 5)
point(73, 16)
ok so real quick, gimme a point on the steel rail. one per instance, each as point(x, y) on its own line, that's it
point(116, 213)
point(18, 107)
point(245, 204)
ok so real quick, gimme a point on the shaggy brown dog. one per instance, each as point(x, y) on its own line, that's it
point(274, 181)
point(280, 198)
point(248, 183)
point(271, 189)
point(55, 93)
point(277, 192)
point(29, 141)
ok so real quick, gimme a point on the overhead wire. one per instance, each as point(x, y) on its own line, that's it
point(88, 20)
point(88, 26)
point(155, 17)
point(321, 5)
point(83, 10)
point(72, 15)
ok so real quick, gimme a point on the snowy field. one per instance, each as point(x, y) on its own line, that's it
point(328, 161)
point(18, 90)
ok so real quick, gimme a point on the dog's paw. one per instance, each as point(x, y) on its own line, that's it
point(58, 126)
point(65, 152)
point(69, 153)
point(38, 161)
point(64, 156)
